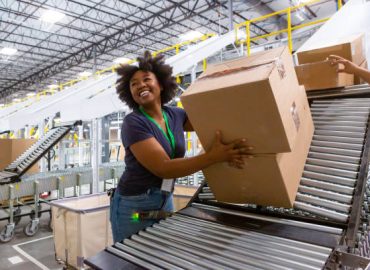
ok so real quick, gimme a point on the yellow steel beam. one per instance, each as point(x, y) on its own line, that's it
point(340, 4)
point(248, 29)
point(310, 23)
point(286, 29)
point(177, 48)
point(289, 22)
point(269, 35)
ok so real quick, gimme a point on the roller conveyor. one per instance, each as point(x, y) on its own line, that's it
point(25, 161)
point(327, 225)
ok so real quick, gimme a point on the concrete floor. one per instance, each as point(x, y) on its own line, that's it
point(29, 253)
point(36, 252)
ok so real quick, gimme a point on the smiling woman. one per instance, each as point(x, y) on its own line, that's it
point(153, 137)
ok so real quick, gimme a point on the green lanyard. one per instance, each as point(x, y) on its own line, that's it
point(170, 138)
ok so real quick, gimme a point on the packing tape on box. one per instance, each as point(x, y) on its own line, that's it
point(276, 62)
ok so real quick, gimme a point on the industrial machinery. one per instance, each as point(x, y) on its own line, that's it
point(18, 167)
point(15, 184)
point(326, 229)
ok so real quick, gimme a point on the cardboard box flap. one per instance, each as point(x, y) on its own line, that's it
point(232, 73)
point(230, 77)
point(252, 60)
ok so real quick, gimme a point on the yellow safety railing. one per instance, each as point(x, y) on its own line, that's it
point(288, 12)
point(112, 69)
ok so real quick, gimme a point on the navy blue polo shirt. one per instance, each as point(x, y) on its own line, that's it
point(136, 179)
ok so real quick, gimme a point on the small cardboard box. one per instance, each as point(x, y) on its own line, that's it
point(270, 179)
point(351, 48)
point(358, 80)
point(321, 75)
point(251, 97)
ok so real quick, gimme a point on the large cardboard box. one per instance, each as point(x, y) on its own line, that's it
point(252, 97)
point(350, 47)
point(358, 80)
point(321, 75)
point(10, 149)
point(270, 179)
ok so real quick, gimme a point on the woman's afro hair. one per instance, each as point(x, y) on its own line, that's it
point(162, 71)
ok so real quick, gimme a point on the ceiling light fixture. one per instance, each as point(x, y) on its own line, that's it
point(242, 35)
point(31, 94)
point(190, 35)
point(8, 51)
point(299, 16)
point(51, 16)
point(53, 86)
point(85, 74)
point(121, 60)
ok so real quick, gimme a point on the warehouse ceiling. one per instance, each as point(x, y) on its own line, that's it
point(91, 34)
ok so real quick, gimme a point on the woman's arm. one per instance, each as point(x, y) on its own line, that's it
point(153, 157)
point(350, 67)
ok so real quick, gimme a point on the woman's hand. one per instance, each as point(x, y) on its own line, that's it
point(348, 66)
point(234, 153)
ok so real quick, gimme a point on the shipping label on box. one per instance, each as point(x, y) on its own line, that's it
point(322, 75)
point(270, 179)
point(252, 97)
point(351, 48)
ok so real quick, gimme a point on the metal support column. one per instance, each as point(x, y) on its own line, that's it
point(230, 9)
point(95, 153)
point(80, 148)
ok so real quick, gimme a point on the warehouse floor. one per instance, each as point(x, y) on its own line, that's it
point(29, 253)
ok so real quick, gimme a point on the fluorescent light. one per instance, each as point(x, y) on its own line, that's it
point(51, 16)
point(190, 35)
point(121, 60)
point(31, 94)
point(8, 51)
point(84, 74)
point(116, 122)
point(2, 105)
point(53, 86)
point(242, 35)
point(16, 99)
point(299, 16)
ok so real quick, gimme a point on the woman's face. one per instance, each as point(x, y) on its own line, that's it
point(145, 88)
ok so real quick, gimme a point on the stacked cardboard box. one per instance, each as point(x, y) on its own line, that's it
point(10, 149)
point(314, 70)
point(257, 98)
